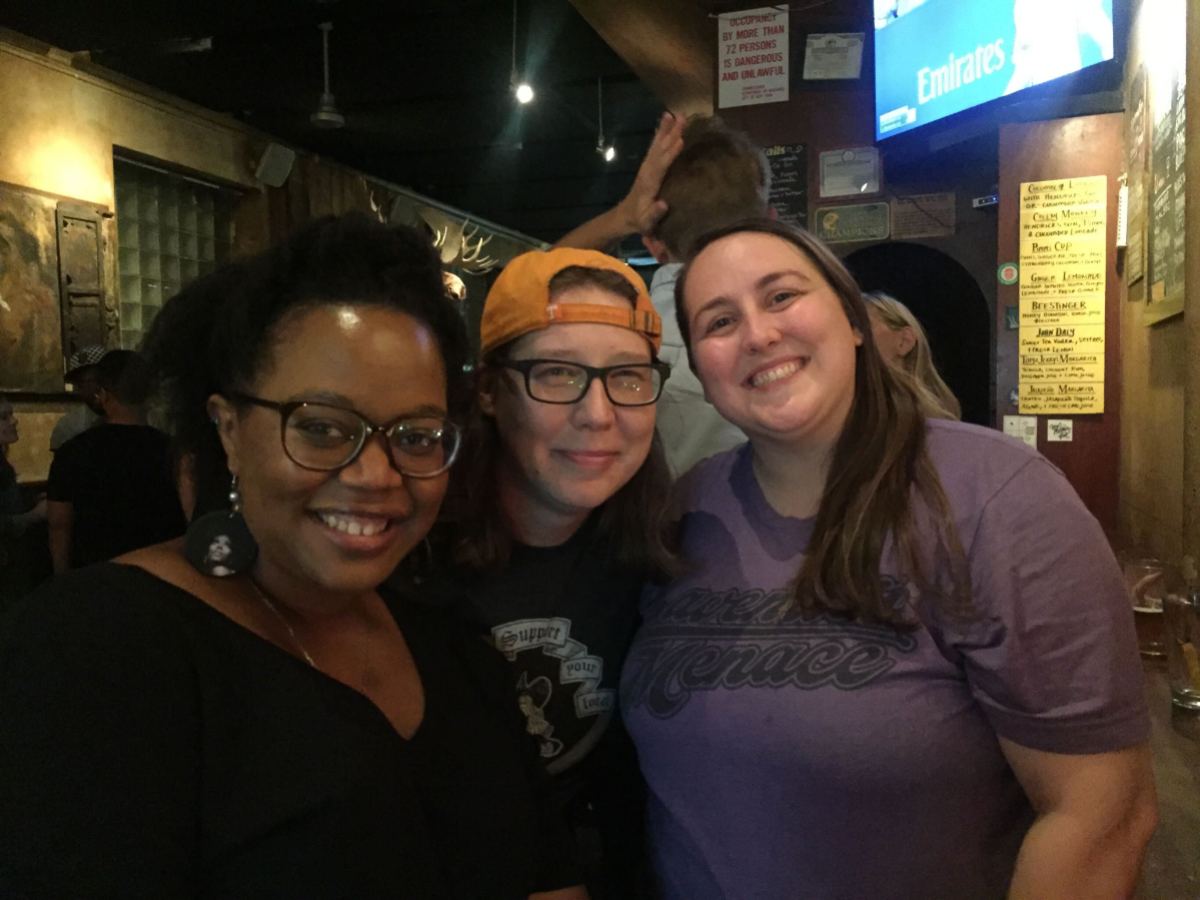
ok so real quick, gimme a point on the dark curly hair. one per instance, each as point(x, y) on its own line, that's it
point(214, 336)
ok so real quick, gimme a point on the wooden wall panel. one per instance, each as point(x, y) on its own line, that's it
point(1039, 151)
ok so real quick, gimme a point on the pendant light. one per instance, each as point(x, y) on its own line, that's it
point(522, 89)
point(608, 151)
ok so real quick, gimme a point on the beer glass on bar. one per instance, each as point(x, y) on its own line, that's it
point(1145, 580)
point(1181, 616)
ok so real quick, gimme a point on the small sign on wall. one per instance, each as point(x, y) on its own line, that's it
point(850, 172)
point(752, 57)
point(923, 215)
point(831, 56)
point(853, 222)
point(1060, 430)
point(789, 182)
point(1023, 428)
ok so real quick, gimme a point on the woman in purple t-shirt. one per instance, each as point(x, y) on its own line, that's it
point(901, 662)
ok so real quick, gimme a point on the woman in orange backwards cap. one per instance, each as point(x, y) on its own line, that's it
point(567, 495)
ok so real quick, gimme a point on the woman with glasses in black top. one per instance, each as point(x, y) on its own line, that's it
point(561, 522)
point(241, 713)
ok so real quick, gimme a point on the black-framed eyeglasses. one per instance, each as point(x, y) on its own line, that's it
point(324, 437)
point(560, 381)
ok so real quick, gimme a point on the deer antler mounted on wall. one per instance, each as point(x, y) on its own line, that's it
point(462, 247)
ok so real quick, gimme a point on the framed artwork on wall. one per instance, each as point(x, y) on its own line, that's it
point(35, 227)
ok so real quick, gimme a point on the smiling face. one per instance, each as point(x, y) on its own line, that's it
point(561, 461)
point(770, 340)
point(340, 533)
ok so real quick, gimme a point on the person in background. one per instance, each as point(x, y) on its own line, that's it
point(19, 569)
point(241, 713)
point(567, 487)
point(902, 343)
point(698, 175)
point(81, 376)
point(901, 662)
point(112, 488)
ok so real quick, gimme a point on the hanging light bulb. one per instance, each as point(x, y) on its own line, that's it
point(522, 89)
point(608, 151)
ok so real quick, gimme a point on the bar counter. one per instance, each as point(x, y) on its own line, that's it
point(1172, 867)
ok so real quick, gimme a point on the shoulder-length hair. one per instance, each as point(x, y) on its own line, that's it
point(634, 522)
point(940, 402)
point(882, 485)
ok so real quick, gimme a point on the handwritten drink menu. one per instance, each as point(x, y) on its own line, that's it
point(1063, 266)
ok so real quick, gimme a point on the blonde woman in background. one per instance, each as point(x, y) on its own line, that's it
point(902, 344)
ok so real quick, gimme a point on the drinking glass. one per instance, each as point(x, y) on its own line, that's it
point(1181, 617)
point(1145, 580)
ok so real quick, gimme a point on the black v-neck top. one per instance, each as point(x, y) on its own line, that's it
point(152, 747)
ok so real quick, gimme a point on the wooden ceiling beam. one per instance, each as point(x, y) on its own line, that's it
point(669, 44)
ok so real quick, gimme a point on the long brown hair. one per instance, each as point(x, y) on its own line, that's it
point(633, 522)
point(879, 466)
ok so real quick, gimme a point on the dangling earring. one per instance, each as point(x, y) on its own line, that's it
point(219, 543)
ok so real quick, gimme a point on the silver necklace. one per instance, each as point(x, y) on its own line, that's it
point(286, 624)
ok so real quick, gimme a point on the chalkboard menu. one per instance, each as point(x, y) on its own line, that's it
point(789, 182)
point(1167, 185)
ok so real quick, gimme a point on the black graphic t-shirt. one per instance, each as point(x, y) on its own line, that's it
point(564, 617)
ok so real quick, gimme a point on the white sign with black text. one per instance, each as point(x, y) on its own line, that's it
point(752, 57)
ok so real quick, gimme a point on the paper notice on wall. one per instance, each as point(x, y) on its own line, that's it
point(1060, 430)
point(830, 56)
point(1023, 428)
point(849, 172)
point(752, 57)
point(923, 215)
point(1063, 268)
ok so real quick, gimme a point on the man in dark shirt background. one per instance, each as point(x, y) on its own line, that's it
point(112, 488)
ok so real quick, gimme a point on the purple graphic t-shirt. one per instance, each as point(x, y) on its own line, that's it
point(819, 758)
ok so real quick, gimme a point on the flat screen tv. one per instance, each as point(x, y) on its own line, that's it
point(935, 58)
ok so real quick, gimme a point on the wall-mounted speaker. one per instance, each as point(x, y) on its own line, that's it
point(275, 165)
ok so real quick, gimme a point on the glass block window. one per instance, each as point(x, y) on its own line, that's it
point(170, 229)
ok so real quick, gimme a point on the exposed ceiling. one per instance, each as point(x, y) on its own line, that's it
point(424, 88)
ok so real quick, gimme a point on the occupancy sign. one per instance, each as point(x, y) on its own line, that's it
point(752, 57)
point(1063, 267)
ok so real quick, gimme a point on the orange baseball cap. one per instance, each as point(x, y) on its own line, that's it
point(519, 301)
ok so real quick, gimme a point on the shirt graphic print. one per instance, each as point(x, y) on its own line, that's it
point(548, 660)
point(704, 640)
